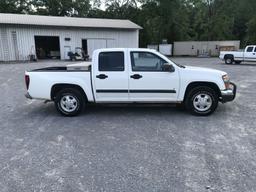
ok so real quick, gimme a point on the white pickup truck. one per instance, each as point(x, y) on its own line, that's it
point(230, 57)
point(123, 75)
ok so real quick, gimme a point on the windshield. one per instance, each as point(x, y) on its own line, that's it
point(172, 62)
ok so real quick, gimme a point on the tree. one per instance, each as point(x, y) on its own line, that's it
point(15, 6)
point(161, 19)
point(61, 7)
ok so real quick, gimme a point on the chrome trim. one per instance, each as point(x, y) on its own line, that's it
point(227, 92)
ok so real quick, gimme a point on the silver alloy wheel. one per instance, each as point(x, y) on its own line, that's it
point(68, 103)
point(202, 102)
point(229, 61)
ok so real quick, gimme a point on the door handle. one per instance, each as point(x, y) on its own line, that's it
point(254, 53)
point(102, 76)
point(136, 76)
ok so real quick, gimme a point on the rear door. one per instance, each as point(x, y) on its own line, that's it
point(111, 77)
point(147, 80)
point(250, 54)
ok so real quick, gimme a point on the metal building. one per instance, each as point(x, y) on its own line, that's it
point(53, 37)
point(203, 48)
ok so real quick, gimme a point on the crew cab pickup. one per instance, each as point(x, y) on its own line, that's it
point(230, 57)
point(129, 75)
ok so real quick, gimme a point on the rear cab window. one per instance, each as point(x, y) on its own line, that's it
point(250, 49)
point(111, 61)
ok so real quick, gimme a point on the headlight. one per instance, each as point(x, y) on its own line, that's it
point(226, 80)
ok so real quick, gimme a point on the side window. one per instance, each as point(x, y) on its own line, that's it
point(255, 50)
point(249, 49)
point(111, 61)
point(145, 61)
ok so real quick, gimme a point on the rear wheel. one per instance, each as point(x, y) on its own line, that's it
point(229, 60)
point(201, 101)
point(69, 102)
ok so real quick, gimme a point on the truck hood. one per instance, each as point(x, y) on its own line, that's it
point(204, 70)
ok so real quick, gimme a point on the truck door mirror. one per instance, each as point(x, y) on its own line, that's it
point(168, 67)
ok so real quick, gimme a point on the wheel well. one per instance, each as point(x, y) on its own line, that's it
point(199, 84)
point(58, 87)
point(229, 56)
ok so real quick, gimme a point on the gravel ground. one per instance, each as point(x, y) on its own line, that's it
point(156, 149)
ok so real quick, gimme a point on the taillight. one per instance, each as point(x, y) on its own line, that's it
point(27, 80)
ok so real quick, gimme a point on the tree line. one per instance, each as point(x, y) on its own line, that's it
point(174, 20)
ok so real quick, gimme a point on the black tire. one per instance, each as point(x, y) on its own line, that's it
point(238, 62)
point(192, 98)
point(74, 102)
point(229, 60)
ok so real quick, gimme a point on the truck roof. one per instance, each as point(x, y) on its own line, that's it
point(125, 49)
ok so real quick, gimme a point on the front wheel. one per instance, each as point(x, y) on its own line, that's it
point(201, 101)
point(69, 102)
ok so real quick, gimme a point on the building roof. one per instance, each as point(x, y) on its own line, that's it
point(22, 19)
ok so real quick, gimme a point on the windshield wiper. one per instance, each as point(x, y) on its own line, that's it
point(181, 66)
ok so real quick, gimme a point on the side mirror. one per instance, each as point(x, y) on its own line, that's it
point(168, 67)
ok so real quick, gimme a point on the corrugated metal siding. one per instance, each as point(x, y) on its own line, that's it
point(5, 44)
point(1, 47)
point(15, 45)
point(26, 42)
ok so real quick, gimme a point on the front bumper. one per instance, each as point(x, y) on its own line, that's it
point(28, 96)
point(228, 94)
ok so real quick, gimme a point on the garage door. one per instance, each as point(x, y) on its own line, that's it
point(47, 47)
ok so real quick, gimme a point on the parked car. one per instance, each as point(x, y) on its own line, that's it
point(124, 75)
point(230, 57)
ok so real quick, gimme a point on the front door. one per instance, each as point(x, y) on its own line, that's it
point(111, 77)
point(67, 49)
point(147, 80)
point(85, 46)
point(250, 54)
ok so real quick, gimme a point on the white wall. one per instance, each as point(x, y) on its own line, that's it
point(1, 46)
point(96, 39)
point(185, 47)
point(5, 45)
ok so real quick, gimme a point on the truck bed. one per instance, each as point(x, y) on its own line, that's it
point(42, 80)
point(85, 66)
point(238, 55)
